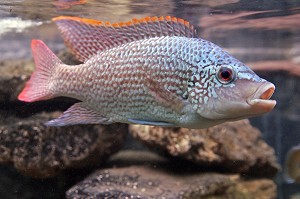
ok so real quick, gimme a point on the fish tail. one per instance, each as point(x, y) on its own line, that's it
point(38, 86)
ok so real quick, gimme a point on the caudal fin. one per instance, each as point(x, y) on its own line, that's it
point(37, 88)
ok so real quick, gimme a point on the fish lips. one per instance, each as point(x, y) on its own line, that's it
point(260, 101)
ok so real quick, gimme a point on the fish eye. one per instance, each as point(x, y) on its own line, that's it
point(225, 75)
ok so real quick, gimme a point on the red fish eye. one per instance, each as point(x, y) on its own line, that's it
point(225, 75)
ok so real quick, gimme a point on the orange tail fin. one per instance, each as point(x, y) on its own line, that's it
point(37, 88)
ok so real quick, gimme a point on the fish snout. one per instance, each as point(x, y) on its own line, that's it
point(260, 100)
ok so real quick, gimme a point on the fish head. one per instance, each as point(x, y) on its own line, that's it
point(226, 89)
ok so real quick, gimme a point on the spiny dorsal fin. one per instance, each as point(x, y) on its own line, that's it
point(86, 37)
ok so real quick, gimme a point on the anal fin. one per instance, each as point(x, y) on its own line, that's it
point(154, 123)
point(79, 113)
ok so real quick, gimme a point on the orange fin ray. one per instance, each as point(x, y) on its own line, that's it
point(86, 37)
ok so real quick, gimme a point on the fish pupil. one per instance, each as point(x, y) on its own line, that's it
point(225, 75)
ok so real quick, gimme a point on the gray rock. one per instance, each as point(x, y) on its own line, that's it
point(234, 147)
point(157, 179)
point(40, 151)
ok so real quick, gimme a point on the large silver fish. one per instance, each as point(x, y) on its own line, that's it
point(152, 71)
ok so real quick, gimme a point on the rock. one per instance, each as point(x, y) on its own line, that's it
point(234, 147)
point(13, 75)
point(159, 180)
point(40, 151)
point(13, 185)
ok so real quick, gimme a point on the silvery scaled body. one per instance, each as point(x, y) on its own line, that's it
point(170, 78)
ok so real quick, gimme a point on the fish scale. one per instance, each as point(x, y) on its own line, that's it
point(152, 71)
point(128, 74)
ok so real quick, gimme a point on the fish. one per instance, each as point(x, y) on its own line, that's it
point(292, 165)
point(149, 71)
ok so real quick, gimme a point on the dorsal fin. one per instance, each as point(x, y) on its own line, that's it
point(86, 37)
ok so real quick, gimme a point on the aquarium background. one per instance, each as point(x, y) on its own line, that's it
point(265, 34)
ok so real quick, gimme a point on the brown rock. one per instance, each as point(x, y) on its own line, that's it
point(40, 151)
point(257, 188)
point(13, 75)
point(160, 181)
point(234, 147)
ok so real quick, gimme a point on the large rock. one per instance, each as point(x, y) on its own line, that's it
point(234, 147)
point(160, 179)
point(40, 151)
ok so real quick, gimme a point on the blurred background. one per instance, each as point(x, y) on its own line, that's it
point(265, 34)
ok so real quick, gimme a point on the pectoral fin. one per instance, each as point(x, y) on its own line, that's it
point(79, 113)
point(163, 95)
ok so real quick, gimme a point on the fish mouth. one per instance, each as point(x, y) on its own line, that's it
point(260, 101)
